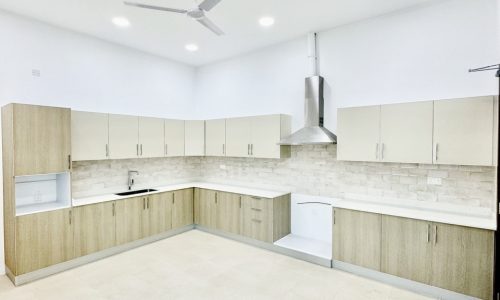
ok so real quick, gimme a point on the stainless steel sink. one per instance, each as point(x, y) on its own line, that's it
point(135, 192)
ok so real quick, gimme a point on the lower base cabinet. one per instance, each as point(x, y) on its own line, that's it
point(182, 208)
point(43, 239)
point(451, 257)
point(94, 227)
point(157, 214)
point(129, 220)
point(263, 219)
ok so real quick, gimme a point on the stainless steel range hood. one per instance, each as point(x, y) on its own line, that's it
point(313, 132)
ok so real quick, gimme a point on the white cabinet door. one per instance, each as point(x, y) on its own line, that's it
point(174, 138)
point(266, 133)
point(463, 131)
point(358, 133)
point(123, 136)
point(406, 132)
point(195, 138)
point(215, 137)
point(151, 137)
point(89, 135)
point(238, 136)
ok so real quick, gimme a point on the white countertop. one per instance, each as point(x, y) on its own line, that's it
point(180, 186)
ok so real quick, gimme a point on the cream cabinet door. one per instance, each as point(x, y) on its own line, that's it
point(406, 132)
point(89, 135)
point(215, 137)
point(151, 137)
point(266, 133)
point(463, 131)
point(174, 138)
point(358, 133)
point(123, 136)
point(194, 138)
point(238, 136)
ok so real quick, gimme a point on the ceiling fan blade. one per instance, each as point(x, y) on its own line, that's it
point(210, 25)
point(208, 4)
point(175, 10)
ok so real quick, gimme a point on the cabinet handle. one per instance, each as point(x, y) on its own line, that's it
point(69, 162)
point(382, 151)
point(256, 209)
point(143, 203)
point(215, 198)
point(137, 149)
point(436, 152)
point(148, 203)
point(114, 209)
point(248, 149)
point(223, 148)
point(141, 149)
point(166, 149)
point(257, 221)
point(107, 150)
point(70, 216)
point(376, 151)
point(435, 234)
point(428, 233)
point(173, 198)
point(256, 198)
point(334, 217)
point(240, 201)
point(251, 149)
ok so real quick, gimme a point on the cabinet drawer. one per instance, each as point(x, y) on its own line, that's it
point(257, 202)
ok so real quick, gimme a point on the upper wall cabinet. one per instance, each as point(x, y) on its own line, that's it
point(257, 136)
point(463, 131)
point(194, 138)
point(406, 132)
point(358, 133)
point(123, 136)
point(41, 137)
point(151, 137)
point(215, 137)
point(89, 135)
point(174, 138)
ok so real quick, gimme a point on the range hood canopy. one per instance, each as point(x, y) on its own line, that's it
point(313, 132)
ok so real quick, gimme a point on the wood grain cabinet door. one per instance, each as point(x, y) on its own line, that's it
point(89, 135)
point(158, 214)
point(94, 227)
point(228, 212)
point(407, 248)
point(182, 208)
point(462, 260)
point(42, 139)
point(129, 220)
point(463, 131)
point(206, 208)
point(357, 237)
point(43, 239)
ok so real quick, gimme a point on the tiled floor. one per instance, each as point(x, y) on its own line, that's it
point(197, 265)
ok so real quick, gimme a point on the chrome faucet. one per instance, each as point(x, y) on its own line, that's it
point(131, 178)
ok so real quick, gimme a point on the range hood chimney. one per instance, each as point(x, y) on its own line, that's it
point(313, 132)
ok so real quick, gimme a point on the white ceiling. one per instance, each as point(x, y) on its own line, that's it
point(165, 34)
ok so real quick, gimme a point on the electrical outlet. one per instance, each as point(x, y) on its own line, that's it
point(222, 167)
point(434, 181)
point(36, 73)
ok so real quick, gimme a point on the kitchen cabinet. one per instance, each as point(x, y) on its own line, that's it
point(238, 134)
point(406, 132)
point(157, 213)
point(123, 136)
point(151, 137)
point(43, 239)
point(257, 136)
point(129, 220)
point(215, 137)
point(174, 138)
point(462, 260)
point(194, 138)
point(357, 237)
point(358, 133)
point(41, 137)
point(94, 227)
point(89, 136)
point(182, 208)
point(463, 131)
point(228, 216)
point(206, 208)
point(407, 248)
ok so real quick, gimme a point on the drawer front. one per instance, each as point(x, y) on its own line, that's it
point(257, 202)
point(257, 222)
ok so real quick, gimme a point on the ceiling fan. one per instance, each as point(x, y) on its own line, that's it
point(197, 13)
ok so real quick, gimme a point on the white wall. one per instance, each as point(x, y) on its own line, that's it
point(87, 74)
point(418, 54)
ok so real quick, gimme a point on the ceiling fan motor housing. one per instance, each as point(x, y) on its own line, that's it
point(196, 13)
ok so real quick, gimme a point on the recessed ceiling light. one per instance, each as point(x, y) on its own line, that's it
point(266, 21)
point(121, 22)
point(192, 47)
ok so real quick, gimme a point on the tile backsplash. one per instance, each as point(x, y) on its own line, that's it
point(310, 170)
